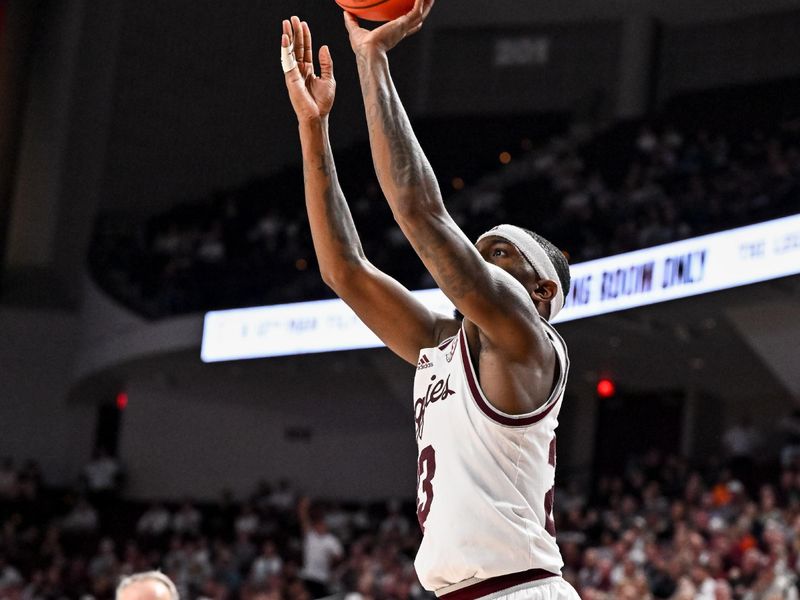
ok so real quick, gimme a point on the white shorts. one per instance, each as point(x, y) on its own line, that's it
point(552, 588)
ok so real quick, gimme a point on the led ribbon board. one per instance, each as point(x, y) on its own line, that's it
point(677, 270)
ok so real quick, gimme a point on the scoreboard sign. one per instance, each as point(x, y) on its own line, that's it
point(695, 266)
point(678, 270)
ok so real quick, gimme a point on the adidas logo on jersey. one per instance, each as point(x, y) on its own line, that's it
point(424, 363)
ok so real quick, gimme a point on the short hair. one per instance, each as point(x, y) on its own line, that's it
point(157, 576)
point(558, 259)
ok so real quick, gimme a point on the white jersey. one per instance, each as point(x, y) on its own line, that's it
point(485, 478)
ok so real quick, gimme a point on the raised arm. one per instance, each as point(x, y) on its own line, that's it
point(487, 295)
point(386, 307)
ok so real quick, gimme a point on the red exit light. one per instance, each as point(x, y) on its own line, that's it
point(122, 400)
point(606, 388)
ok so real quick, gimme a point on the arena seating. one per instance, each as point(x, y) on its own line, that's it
point(594, 191)
point(660, 528)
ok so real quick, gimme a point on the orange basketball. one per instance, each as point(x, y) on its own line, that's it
point(377, 10)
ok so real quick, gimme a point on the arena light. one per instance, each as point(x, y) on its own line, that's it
point(681, 269)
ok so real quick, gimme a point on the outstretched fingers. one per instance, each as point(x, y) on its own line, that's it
point(351, 22)
point(299, 44)
point(288, 60)
point(416, 10)
point(412, 21)
point(297, 32)
point(308, 54)
point(297, 39)
point(417, 15)
point(325, 63)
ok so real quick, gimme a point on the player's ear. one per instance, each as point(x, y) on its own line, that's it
point(544, 290)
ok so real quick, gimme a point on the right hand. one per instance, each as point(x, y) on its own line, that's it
point(311, 95)
point(387, 36)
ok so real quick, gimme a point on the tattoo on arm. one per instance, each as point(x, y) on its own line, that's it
point(409, 171)
point(343, 228)
point(386, 117)
point(340, 224)
point(453, 272)
point(405, 171)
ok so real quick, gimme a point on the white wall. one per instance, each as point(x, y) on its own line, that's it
point(193, 429)
point(111, 335)
point(773, 332)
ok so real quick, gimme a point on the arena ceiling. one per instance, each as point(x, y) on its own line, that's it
point(673, 11)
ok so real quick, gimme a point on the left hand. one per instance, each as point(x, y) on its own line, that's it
point(388, 35)
point(311, 95)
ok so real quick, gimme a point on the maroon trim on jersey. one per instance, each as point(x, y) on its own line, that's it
point(489, 411)
point(443, 346)
point(497, 584)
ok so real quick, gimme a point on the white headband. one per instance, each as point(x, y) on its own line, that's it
point(535, 255)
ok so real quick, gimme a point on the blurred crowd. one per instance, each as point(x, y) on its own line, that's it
point(273, 545)
point(594, 191)
point(661, 528)
point(667, 530)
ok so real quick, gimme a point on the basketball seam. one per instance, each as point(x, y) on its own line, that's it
point(373, 5)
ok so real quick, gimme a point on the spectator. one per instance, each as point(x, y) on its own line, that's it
point(10, 578)
point(790, 426)
point(187, 520)
point(394, 523)
point(176, 559)
point(282, 498)
point(226, 571)
point(244, 550)
point(155, 522)
point(248, 521)
point(211, 249)
point(103, 476)
point(104, 563)
point(339, 521)
point(199, 567)
point(742, 441)
point(267, 565)
point(149, 585)
point(320, 550)
point(82, 519)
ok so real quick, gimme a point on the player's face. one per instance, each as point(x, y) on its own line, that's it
point(505, 255)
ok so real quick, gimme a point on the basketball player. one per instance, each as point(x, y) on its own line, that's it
point(489, 387)
point(149, 585)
